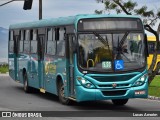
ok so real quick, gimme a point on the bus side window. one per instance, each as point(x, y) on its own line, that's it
point(61, 42)
point(27, 41)
point(21, 41)
point(49, 34)
point(11, 42)
point(33, 36)
point(51, 44)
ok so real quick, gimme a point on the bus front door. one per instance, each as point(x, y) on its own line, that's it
point(41, 49)
point(70, 66)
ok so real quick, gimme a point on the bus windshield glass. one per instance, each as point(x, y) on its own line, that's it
point(100, 52)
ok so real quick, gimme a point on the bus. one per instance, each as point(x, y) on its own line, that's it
point(151, 50)
point(79, 58)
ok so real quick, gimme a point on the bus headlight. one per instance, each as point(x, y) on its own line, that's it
point(85, 83)
point(141, 80)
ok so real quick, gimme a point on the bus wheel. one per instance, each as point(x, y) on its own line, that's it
point(26, 88)
point(61, 96)
point(120, 101)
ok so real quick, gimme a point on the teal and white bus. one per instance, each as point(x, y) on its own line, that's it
point(82, 57)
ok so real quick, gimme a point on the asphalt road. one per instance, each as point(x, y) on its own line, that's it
point(13, 98)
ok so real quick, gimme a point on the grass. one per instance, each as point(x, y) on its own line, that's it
point(154, 87)
point(3, 68)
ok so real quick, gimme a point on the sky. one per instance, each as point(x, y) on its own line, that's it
point(13, 12)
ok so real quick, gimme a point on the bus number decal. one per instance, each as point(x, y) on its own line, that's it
point(106, 64)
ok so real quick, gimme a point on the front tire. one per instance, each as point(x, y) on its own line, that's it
point(61, 96)
point(26, 88)
point(119, 102)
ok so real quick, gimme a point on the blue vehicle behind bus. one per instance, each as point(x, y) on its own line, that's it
point(81, 58)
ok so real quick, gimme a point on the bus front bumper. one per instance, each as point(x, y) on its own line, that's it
point(84, 94)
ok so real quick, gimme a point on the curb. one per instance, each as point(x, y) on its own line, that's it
point(3, 74)
point(153, 98)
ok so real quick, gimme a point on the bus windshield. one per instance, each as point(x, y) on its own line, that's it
point(98, 52)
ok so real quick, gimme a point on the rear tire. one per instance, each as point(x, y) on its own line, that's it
point(61, 96)
point(26, 88)
point(119, 102)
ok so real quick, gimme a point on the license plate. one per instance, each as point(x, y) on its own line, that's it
point(140, 92)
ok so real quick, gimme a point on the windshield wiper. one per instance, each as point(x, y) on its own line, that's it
point(123, 39)
point(120, 48)
point(105, 42)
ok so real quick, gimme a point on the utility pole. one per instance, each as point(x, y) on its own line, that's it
point(40, 9)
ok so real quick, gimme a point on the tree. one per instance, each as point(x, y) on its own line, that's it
point(150, 18)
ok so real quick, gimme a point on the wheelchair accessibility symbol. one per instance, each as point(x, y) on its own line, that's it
point(119, 64)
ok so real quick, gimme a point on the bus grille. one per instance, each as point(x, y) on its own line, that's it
point(118, 85)
point(114, 93)
point(113, 78)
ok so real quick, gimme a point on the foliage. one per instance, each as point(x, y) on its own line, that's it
point(130, 7)
point(154, 87)
point(3, 68)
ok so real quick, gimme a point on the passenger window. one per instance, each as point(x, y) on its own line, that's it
point(27, 42)
point(34, 41)
point(51, 43)
point(61, 43)
point(34, 34)
point(27, 35)
point(22, 35)
point(61, 33)
point(11, 42)
point(11, 35)
point(21, 41)
point(49, 34)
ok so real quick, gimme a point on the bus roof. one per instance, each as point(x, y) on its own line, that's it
point(63, 20)
point(151, 38)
